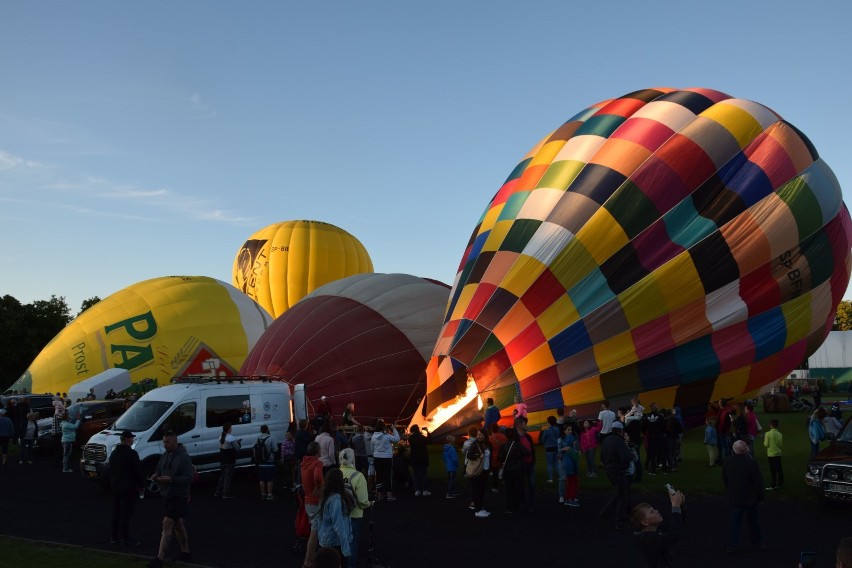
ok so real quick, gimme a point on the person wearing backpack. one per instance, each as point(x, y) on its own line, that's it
point(264, 457)
point(356, 489)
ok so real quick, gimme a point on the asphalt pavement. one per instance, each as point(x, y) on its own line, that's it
point(39, 502)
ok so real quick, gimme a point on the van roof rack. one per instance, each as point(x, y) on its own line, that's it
point(204, 379)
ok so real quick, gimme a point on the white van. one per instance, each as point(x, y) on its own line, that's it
point(195, 410)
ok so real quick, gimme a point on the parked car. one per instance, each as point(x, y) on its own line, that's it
point(96, 415)
point(41, 403)
point(830, 472)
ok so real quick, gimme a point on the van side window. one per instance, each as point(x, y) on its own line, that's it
point(235, 409)
point(180, 421)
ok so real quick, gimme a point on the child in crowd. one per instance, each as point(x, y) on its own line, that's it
point(287, 451)
point(774, 442)
point(711, 442)
point(520, 407)
point(589, 446)
point(451, 463)
point(569, 468)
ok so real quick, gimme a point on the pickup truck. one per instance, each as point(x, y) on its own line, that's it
point(830, 472)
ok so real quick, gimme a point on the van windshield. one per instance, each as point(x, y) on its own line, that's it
point(142, 415)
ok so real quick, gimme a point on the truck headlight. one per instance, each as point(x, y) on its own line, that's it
point(814, 470)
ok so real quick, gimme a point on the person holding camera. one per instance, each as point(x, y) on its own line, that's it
point(383, 440)
point(655, 537)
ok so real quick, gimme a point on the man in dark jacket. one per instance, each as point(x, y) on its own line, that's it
point(616, 458)
point(744, 487)
point(174, 475)
point(126, 482)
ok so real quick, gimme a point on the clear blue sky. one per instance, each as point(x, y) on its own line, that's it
point(144, 139)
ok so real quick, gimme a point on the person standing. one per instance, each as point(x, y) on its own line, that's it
point(606, 417)
point(7, 431)
point(744, 487)
point(589, 446)
point(419, 460)
point(28, 434)
point(327, 455)
point(527, 449)
point(492, 415)
point(266, 463)
point(654, 427)
point(710, 435)
point(549, 438)
point(451, 464)
point(382, 442)
point(616, 458)
point(304, 436)
point(69, 434)
point(228, 446)
point(774, 442)
point(497, 439)
point(816, 431)
point(173, 474)
point(312, 482)
point(127, 484)
point(335, 527)
point(354, 480)
point(359, 445)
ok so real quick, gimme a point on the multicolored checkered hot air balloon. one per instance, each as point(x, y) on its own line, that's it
point(682, 244)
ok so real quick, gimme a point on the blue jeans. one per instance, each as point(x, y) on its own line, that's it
point(26, 450)
point(591, 466)
point(451, 482)
point(529, 490)
point(67, 448)
point(353, 546)
point(753, 526)
point(420, 477)
point(551, 458)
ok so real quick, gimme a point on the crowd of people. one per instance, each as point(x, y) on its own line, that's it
point(340, 471)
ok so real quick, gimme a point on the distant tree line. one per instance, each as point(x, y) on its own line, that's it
point(25, 329)
point(843, 319)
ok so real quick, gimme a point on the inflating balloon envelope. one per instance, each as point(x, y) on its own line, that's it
point(364, 339)
point(155, 329)
point(682, 244)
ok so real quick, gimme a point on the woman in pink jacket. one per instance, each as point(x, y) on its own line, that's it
point(589, 446)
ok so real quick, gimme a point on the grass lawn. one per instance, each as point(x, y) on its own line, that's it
point(20, 552)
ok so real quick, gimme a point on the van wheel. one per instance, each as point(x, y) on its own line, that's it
point(152, 488)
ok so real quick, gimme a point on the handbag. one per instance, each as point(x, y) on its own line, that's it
point(473, 466)
point(503, 467)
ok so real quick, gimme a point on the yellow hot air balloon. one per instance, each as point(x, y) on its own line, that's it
point(155, 329)
point(283, 262)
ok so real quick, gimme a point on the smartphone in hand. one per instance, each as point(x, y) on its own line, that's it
point(808, 559)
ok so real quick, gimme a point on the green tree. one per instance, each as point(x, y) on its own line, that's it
point(843, 318)
point(24, 331)
point(88, 304)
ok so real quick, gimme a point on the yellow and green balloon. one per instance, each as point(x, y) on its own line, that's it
point(155, 329)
